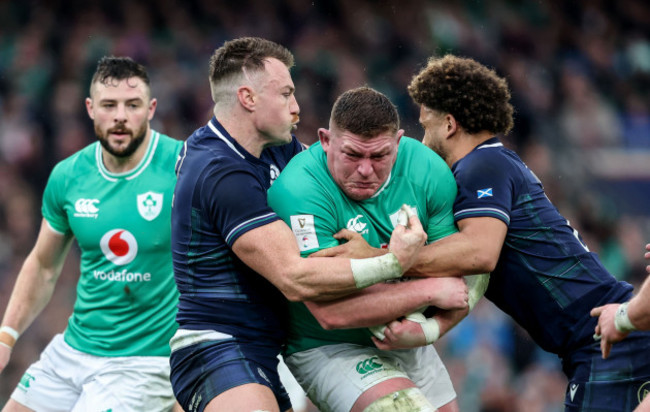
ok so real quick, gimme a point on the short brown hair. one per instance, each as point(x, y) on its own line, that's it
point(365, 112)
point(248, 53)
point(475, 95)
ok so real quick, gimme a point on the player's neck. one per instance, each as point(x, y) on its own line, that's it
point(467, 143)
point(243, 131)
point(116, 164)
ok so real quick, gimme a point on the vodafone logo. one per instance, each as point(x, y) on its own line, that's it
point(119, 246)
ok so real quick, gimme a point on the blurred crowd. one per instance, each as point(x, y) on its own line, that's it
point(580, 78)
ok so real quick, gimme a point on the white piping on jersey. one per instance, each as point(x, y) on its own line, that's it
point(144, 162)
point(491, 145)
point(53, 229)
point(487, 209)
point(155, 135)
point(222, 137)
point(381, 189)
point(245, 223)
point(182, 159)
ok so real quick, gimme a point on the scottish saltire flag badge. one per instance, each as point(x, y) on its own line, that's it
point(481, 193)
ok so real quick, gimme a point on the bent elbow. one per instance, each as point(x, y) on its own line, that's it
point(296, 293)
point(485, 263)
point(325, 320)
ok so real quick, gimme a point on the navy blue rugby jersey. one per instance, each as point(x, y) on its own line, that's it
point(220, 195)
point(546, 277)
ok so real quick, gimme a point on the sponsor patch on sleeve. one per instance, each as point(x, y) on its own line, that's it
point(304, 231)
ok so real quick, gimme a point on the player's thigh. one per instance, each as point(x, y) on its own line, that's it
point(203, 371)
point(644, 406)
point(133, 383)
point(425, 368)
point(335, 376)
point(13, 406)
point(56, 375)
point(404, 400)
point(432, 386)
point(248, 397)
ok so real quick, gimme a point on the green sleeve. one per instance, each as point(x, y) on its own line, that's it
point(304, 201)
point(53, 207)
point(440, 200)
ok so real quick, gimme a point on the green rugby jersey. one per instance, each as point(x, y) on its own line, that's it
point(126, 294)
point(306, 197)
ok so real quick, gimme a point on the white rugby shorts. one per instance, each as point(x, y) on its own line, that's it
point(334, 376)
point(65, 379)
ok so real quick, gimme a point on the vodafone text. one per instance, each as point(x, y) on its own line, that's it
point(122, 276)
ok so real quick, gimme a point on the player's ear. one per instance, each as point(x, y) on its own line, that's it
point(246, 97)
point(152, 108)
point(324, 136)
point(89, 108)
point(451, 125)
point(400, 134)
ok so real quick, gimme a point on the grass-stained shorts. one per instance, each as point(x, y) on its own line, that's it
point(334, 376)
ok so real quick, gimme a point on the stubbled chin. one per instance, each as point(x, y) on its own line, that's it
point(360, 194)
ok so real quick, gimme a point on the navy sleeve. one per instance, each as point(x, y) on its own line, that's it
point(236, 202)
point(485, 186)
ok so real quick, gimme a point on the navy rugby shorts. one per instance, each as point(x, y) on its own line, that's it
point(202, 371)
point(618, 383)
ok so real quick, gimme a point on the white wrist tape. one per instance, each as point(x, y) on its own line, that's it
point(376, 269)
point(622, 320)
point(8, 336)
point(429, 326)
point(378, 331)
point(476, 287)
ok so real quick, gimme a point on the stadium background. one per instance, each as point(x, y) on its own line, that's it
point(580, 78)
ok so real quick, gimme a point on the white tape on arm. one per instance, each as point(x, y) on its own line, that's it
point(8, 336)
point(476, 285)
point(376, 269)
point(622, 320)
point(429, 326)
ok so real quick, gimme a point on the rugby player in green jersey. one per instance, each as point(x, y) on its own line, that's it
point(358, 176)
point(114, 197)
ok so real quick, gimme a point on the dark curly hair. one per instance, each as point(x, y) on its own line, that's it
point(475, 95)
point(112, 68)
point(365, 112)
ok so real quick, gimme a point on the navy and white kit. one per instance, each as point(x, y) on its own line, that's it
point(544, 256)
point(231, 319)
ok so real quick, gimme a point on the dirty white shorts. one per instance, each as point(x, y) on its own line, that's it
point(64, 379)
point(334, 376)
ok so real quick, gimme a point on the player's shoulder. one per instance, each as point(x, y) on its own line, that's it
point(79, 162)
point(412, 156)
point(167, 142)
point(166, 148)
point(410, 148)
point(305, 172)
point(490, 157)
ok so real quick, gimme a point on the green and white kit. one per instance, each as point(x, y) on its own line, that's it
point(126, 294)
point(308, 199)
point(336, 367)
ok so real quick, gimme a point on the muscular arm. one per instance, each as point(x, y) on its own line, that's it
point(638, 311)
point(384, 302)
point(474, 249)
point(35, 282)
point(271, 251)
